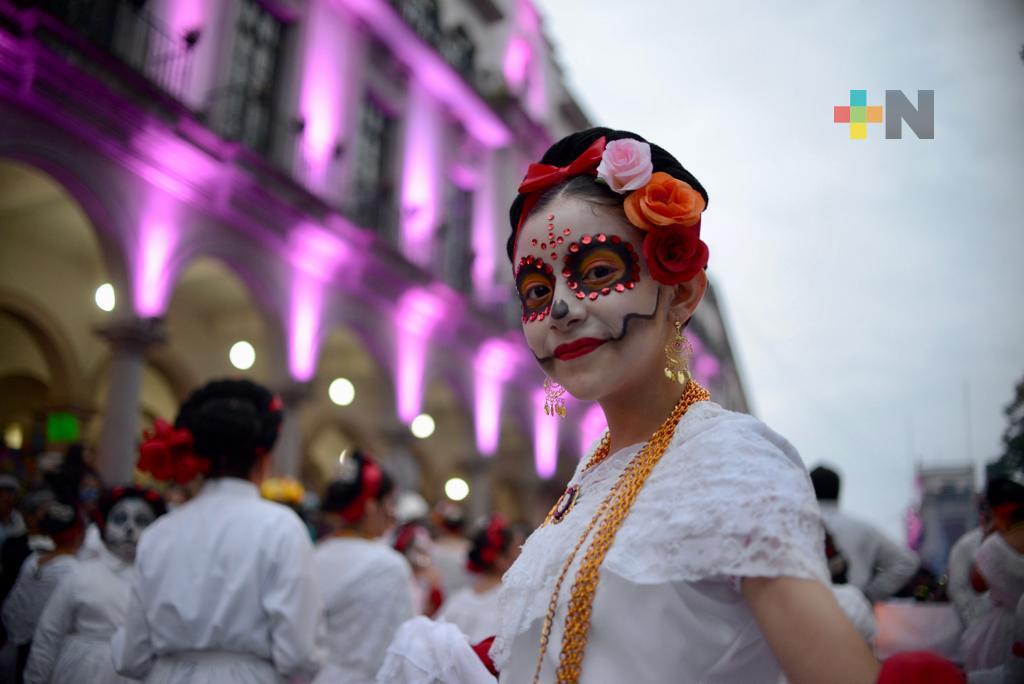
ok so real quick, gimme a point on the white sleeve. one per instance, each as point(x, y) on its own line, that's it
point(428, 652)
point(130, 647)
point(293, 602)
point(54, 624)
point(894, 566)
point(396, 605)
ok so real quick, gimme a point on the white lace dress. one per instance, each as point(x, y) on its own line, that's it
point(729, 499)
point(988, 640)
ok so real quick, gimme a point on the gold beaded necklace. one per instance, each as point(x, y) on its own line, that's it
point(611, 514)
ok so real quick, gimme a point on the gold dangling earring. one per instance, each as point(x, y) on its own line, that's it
point(554, 402)
point(677, 357)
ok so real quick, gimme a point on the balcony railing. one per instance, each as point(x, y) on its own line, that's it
point(131, 34)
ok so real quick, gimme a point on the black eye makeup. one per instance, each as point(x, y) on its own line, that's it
point(598, 265)
point(535, 283)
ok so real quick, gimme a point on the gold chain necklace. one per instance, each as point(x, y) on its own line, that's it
point(611, 513)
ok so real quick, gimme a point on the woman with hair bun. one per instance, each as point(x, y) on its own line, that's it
point(224, 588)
point(367, 585)
point(72, 639)
point(494, 547)
point(687, 545)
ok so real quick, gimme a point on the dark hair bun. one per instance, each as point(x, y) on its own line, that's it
point(346, 488)
point(232, 422)
point(491, 539)
point(566, 150)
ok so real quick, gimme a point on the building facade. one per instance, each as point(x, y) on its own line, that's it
point(309, 193)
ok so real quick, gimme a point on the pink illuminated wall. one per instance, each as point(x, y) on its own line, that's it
point(157, 241)
point(485, 230)
point(315, 254)
point(418, 312)
point(327, 97)
point(704, 366)
point(493, 365)
point(421, 175)
point(523, 63)
point(592, 426)
point(545, 438)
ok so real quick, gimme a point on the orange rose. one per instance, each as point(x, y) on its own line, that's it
point(664, 201)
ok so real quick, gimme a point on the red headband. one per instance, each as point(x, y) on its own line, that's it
point(369, 486)
point(541, 177)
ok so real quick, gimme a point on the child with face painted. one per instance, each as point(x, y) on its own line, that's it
point(687, 546)
point(366, 585)
point(223, 589)
point(72, 640)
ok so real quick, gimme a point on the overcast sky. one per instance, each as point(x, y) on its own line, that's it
point(872, 287)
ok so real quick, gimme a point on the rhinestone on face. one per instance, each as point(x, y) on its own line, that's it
point(551, 217)
point(593, 296)
point(580, 295)
point(533, 242)
point(619, 287)
point(574, 247)
point(606, 290)
point(567, 231)
point(616, 239)
point(585, 239)
point(602, 237)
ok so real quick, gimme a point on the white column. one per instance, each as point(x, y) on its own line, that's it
point(129, 339)
point(479, 490)
point(286, 459)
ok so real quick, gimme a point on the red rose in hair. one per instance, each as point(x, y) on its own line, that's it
point(675, 254)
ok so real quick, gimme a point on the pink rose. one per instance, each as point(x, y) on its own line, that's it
point(626, 165)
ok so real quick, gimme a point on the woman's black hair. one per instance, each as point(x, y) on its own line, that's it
point(342, 492)
point(566, 150)
point(112, 497)
point(233, 423)
point(491, 539)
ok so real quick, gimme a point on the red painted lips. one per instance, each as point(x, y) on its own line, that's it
point(577, 348)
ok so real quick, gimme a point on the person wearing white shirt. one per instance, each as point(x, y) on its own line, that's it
point(224, 589)
point(969, 604)
point(367, 585)
point(72, 640)
point(878, 566)
point(474, 609)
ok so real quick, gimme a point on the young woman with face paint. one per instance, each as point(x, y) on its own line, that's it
point(687, 547)
point(366, 585)
point(72, 639)
point(223, 589)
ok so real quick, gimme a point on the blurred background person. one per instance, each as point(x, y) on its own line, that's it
point(474, 609)
point(72, 640)
point(998, 569)
point(968, 602)
point(223, 590)
point(12, 524)
point(450, 546)
point(39, 576)
point(412, 540)
point(367, 586)
point(878, 566)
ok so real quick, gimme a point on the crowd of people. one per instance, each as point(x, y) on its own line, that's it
point(689, 545)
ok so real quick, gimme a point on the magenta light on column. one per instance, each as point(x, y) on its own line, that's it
point(545, 438)
point(592, 426)
point(328, 60)
point(417, 313)
point(315, 255)
point(431, 71)
point(484, 221)
point(421, 175)
point(152, 279)
point(516, 61)
point(493, 364)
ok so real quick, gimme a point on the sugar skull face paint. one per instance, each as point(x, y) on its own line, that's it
point(599, 316)
point(125, 522)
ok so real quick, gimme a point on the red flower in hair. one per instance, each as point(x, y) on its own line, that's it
point(166, 454)
point(675, 254)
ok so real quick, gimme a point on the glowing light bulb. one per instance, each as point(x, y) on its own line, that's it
point(242, 355)
point(422, 426)
point(341, 391)
point(105, 297)
point(456, 489)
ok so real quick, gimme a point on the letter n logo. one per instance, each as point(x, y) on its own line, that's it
point(921, 118)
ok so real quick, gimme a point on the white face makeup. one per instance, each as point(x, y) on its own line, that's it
point(125, 523)
point(592, 314)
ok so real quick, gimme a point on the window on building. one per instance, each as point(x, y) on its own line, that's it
point(455, 241)
point(248, 113)
point(458, 50)
point(373, 188)
point(422, 16)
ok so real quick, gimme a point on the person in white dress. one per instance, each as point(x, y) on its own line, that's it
point(688, 545)
point(72, 640)
point(998, 568)
point(39, 576)
point(224, 589)
point(450, 546)
point(474, 609)
point(367, 585)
